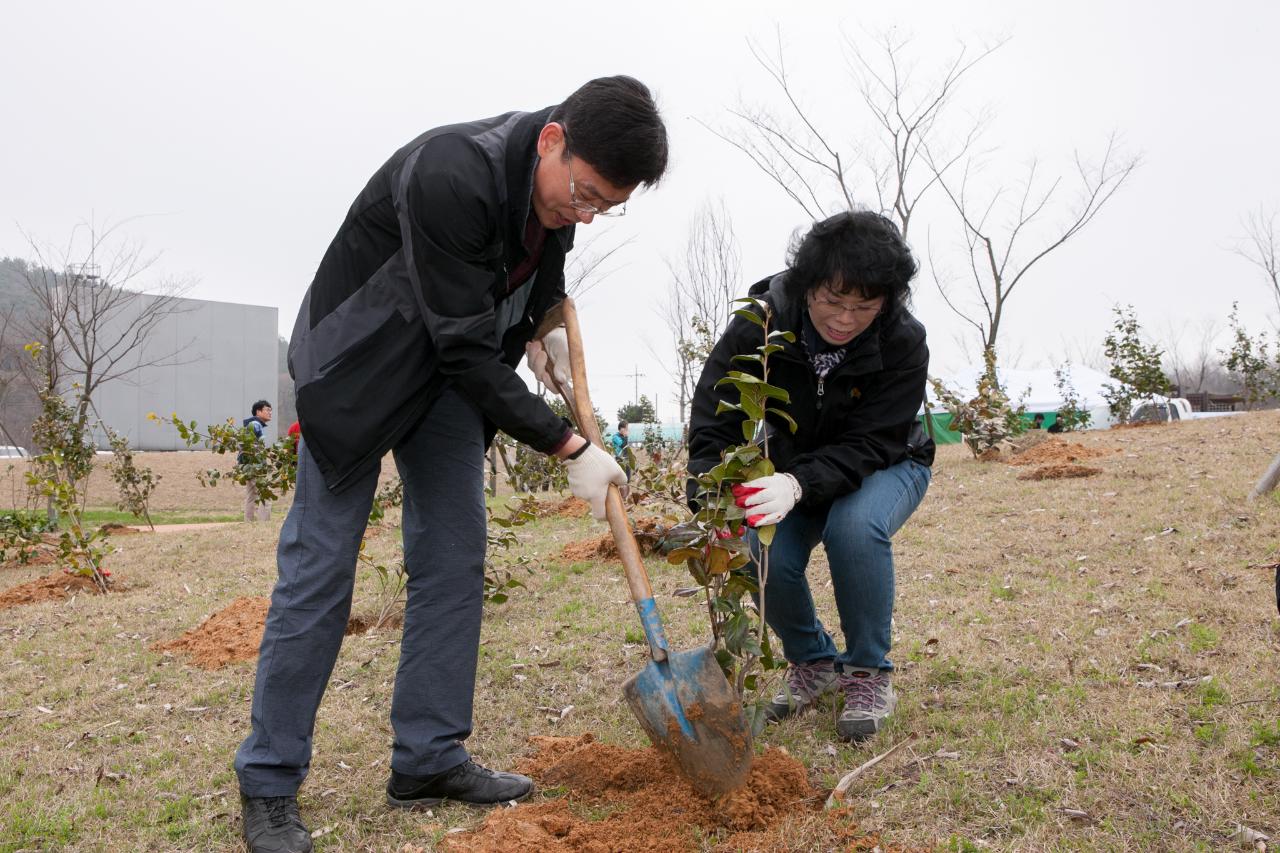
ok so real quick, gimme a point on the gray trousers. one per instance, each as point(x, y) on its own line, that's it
point(444, 519)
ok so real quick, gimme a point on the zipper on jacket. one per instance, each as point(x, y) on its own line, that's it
point(821, 382)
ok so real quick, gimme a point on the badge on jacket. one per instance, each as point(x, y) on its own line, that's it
point(855, 394)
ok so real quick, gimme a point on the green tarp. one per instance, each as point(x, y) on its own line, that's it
point(938, 425)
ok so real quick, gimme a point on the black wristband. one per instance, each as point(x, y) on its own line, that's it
point(581, 450)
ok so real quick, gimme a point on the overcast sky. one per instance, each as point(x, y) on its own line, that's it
point(233, 137)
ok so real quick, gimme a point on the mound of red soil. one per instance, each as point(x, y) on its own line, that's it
point(234, 633)
point(231, 635)
point(42, 556)
point(648, 531)
point(634, 800)
point(111, 528)
point(1059, 472)
point(1055, 451)
point(566, 508)
point(51, 587)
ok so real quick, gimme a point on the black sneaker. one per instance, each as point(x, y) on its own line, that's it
point(272, 825)
point(466, 783)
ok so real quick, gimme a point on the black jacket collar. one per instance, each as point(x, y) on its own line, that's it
point(521, 160)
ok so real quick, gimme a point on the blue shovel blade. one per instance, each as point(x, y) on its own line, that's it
point(688, 709)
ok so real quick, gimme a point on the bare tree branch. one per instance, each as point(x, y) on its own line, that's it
point(586, 269)
point(90, 317)
point(1001, 268)
point(703, 285)
point(1261, 247)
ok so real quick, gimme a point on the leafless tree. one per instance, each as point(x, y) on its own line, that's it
point(589, 266)
point(1261, 247)
point(1192, 361)
point(801, 152)
point(704, 283)
point(993, 226)
point(89, 316)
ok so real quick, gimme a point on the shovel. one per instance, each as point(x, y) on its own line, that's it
point(682, 699)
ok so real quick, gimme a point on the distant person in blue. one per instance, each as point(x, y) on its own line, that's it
point(621, 440)
point(254, 511)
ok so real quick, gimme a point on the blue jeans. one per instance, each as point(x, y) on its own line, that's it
point(441, 465)
point(856, 530)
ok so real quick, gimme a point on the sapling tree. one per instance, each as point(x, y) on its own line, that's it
point(271, 468)
point(712, 545)
point(60, 474)
point(1135, 365)
point(988, 418)
point(134, 483)
point(1070, 415)
point(1249, 361)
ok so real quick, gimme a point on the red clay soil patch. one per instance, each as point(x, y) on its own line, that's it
point(1055, 451)
point(647, 806)
point(40, 557)
point(648, 531)
point(1059, 472)
point(566, 508)
point(234, 634)
point(51, 587)
point(111, 528)
point(231, 635)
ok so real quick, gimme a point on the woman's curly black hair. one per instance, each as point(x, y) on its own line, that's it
point(855, 252)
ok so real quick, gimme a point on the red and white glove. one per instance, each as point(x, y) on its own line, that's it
point(548, 358)
point(591, 471)
point(767, 499)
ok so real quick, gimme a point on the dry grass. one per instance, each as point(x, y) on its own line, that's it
point(1038, 626)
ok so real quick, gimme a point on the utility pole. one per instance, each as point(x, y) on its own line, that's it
point(637, 376)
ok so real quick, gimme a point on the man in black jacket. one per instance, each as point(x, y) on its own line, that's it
point(856, 465)
point(408, 340)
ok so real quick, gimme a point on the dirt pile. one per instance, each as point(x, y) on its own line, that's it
point(565, 508)
point(649, 533)
point(231, 635)
point(1059, 472)
point(234, 633)
point(633, 800)
point(51, 587)
point(1055, 451)
point(41, 555)
point(111, 528)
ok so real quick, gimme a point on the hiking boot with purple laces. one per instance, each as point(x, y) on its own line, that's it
point(806, 683)
point(868, 701)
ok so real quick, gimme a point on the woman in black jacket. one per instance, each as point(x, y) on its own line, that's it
point(854, 470)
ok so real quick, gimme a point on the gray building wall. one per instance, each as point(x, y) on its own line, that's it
point(215, 359)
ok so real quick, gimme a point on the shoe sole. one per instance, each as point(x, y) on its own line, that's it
point(428, 802)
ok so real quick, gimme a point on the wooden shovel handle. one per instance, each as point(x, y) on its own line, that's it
point(584, 415)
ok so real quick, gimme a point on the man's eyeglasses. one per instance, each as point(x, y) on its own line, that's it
point(583, 206)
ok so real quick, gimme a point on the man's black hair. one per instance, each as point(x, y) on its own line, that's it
point(856, 252)
point(259, 406)
point(622, 424)
point(613, 124)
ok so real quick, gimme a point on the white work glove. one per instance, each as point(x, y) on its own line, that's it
point(767, 500)
point(548, 358)
point(590, 475)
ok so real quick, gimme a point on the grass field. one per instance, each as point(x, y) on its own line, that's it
point(1087, 664)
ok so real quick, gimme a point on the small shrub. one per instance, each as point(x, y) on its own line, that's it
point(988, 419)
